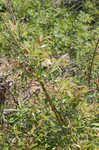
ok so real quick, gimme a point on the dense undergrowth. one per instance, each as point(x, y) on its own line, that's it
point(49, 75)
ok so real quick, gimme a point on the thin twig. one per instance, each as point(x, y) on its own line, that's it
point(10, 10)
point(92, 62)
point(60, 119)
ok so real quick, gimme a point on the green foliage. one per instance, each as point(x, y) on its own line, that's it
point(51, 55)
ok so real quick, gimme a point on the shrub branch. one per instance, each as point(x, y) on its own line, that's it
point(60, 119)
